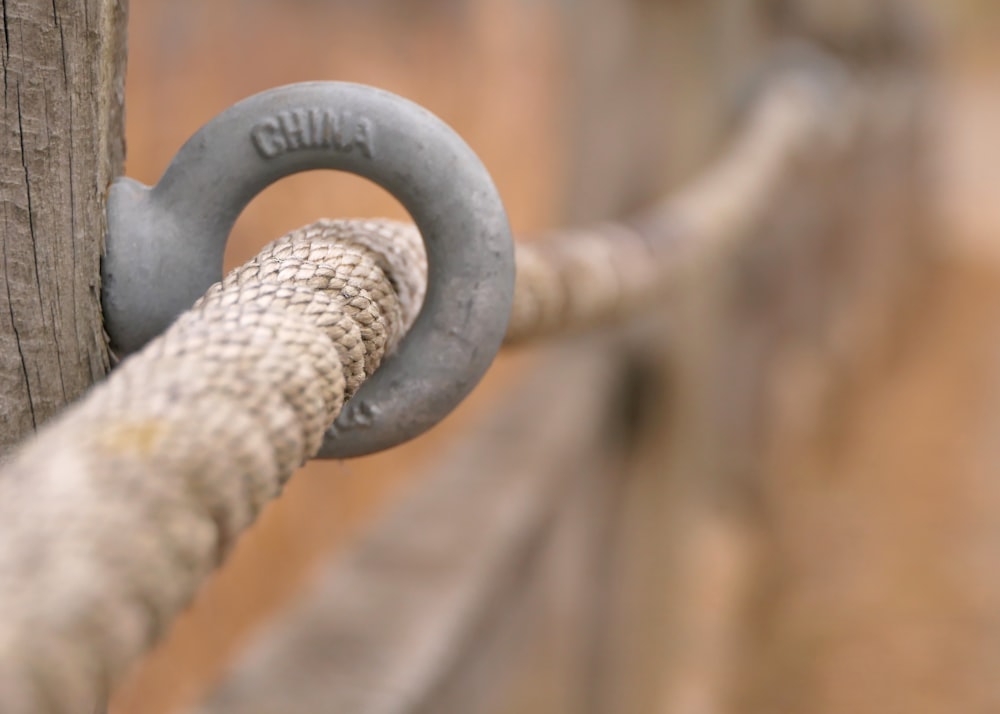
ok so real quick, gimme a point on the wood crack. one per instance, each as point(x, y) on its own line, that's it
point(20, 349)
point(54, 77)
point(27, 192)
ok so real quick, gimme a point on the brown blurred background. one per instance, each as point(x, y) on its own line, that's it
point(497, 71)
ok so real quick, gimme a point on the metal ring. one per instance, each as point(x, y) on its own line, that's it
point(165, 244)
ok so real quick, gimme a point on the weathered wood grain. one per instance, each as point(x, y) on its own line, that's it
point(63, 141)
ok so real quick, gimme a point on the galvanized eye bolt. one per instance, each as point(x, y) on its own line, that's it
point(165, 243)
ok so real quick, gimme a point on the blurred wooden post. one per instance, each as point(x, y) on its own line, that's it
point(757, 358)
point(63, 75)
point(768, 348)
point(657, 90)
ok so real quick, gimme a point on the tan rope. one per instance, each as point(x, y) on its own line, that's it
point(116, 512)
point(582, 278)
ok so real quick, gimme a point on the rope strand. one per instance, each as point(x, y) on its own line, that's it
point(115, 513)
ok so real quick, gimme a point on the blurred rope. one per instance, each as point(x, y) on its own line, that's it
point(584, 278)
point(115, 513)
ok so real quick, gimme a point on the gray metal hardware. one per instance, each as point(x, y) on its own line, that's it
point(165, 243)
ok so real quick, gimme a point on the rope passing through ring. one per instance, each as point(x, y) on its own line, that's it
point(165, 243)
point(112, 517)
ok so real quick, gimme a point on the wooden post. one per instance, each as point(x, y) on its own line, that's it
point(63, 77)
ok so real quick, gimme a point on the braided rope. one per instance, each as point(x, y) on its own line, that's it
point(116, 512)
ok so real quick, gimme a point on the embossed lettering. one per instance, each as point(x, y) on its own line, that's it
point(295, 130)
point(331, 136)
point(358, 414)
point(313, 128)
point(364, 131)
point(268, 139)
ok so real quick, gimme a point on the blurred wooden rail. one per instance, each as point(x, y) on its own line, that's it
point(634, 531)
